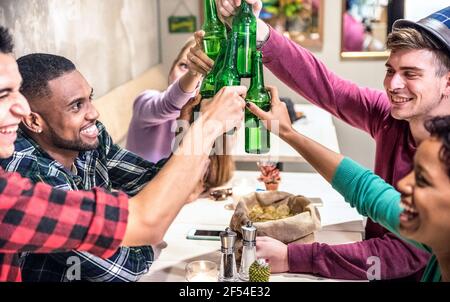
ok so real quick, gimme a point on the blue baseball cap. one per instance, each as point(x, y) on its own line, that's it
point(437, 25)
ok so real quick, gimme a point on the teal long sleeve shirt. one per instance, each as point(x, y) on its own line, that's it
point(374, 198)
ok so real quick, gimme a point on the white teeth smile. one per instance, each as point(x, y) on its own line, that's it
point(409, 210)
point(90, 131)
point(400, 100)
point(9, 130)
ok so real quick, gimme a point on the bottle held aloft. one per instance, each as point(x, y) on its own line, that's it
point(215, 30)
point(257, 137)
point(207, 89)
point(228, 75)
point(244, 24)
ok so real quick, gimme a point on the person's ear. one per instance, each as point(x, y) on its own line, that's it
point(33, 122)
point(447, 88)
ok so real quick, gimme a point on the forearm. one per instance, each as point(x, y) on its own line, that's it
point(87, 217)
point(397, 259)
point(156, 206)
point(322, 159)
point(299, 69)
point(154, 108)
point(262, 32)
point(189, 82)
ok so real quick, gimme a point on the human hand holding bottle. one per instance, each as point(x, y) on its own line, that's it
point(226, 9)
point(197, 59)
point(225, 111)
point(276, 252)
point(277, 120)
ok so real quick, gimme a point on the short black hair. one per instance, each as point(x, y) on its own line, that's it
point(6, 41)
point(38, 69)
point(439, 127)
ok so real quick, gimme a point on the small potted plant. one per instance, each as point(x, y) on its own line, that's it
point(270, 175)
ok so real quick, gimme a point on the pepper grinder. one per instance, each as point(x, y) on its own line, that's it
point(248, 250)
point(228, 271)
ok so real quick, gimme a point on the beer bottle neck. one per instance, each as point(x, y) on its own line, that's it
point(230, 57)
point(258, 75)
point(245, 8)
point(210, 11)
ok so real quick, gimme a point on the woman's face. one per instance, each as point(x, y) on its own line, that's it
point(180, 68)
point(426, 198)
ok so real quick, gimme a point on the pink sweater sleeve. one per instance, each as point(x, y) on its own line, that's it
point(153, 108)
point(363, 108)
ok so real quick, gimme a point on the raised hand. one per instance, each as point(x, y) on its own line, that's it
point(226, 9)
point(198, 61)
point(277, 120)
point(226, 109)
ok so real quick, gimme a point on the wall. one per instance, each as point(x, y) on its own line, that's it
point(172, 43)
point(353, 142)
point(110, 41)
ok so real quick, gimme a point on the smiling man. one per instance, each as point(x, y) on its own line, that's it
point(41, 219)
point(417, 87)
point(62, 144)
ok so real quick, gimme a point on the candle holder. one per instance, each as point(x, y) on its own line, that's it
point(201, 271)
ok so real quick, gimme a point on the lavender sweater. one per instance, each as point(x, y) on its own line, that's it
point(154, 113)
point(368, 110)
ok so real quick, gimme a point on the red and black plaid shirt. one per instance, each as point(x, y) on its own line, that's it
point(40, 219)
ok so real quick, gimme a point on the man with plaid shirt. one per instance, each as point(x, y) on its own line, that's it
point(87, 158)
point(40, 219)
point(109, 167)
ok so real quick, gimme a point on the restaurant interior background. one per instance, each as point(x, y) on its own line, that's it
point(115, 41)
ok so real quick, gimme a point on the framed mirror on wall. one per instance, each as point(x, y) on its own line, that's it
point(367, 23)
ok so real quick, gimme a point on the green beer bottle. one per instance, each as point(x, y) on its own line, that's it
point(257, 137)
point(244, 23)
point(215, 30)
point(207, 89)
point(228, 75)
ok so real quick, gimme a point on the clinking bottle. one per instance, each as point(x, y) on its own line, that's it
point(257, 137)
point(215, 30)
point(244, 24)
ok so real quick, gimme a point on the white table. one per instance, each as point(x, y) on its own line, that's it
point(317, 125)
point(341, 224)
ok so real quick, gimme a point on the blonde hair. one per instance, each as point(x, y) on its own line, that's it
point(221, 169)
point(188, 44)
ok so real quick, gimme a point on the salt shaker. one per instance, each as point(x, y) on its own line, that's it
point(228, 270)
point(248, 250)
